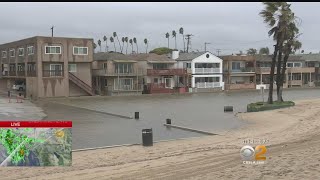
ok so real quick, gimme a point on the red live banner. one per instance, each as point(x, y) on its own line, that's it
point(35, 124)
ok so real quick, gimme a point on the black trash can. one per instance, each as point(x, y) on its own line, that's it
point(228, 108)
point(168, 121)
point(147, 137)
point(136, 115)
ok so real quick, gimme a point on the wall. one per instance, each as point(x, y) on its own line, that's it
point(32, 87)
point(74, 90)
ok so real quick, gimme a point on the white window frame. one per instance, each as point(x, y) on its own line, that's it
point(28, 50)
point(116, 85)
point(74, 47)
point(22, 52)
point(45, 49)
point(4, 52)
point(14, 52)
point(70, 69)
point(105, 65)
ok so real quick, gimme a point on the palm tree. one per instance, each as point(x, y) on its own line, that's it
point(135, 41)
point(251, 51)
point(114, 43)
point(167, 36)
point(126, 40)
point(122, 39)
point(146, 43)
point(174, 35)
point(184, 45)
point(94, 46)
point(115, 35)
point(264, 51)
point(131, 42)
point(271, 17)
point(99, 43)
point(106, 40)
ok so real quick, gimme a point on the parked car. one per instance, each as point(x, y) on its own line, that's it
point(20, 86)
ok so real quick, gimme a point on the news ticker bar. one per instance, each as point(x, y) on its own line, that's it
point(35, 124)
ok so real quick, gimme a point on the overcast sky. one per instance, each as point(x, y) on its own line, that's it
point(230, 27)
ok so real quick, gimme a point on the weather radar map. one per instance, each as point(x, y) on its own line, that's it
point(35, 143)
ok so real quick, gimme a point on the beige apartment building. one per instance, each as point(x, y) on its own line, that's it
point(49, 66)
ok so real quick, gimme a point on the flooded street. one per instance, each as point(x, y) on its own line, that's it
point(202, 111)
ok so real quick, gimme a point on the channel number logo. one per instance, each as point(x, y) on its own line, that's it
point(248, 153)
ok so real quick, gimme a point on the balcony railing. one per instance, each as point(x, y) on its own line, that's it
point(289, 70)
point(12, 73)
point(52, 73)
point(31, 73)
point(206, 70)
point(131, 87)
point(154, 72)
point(105, 72)
point(244, 69)
point(208, 84)
point(21, 73)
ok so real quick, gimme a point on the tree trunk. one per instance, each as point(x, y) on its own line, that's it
point(283, 71)
point(184, 44)
point(106, 50)
point(147, 49)
point(122, 46)
point(175, 42)
point(119, 44)
point(137, 48)
point(132, 48)
point(278, 80)
point(114, 44)
point(127, 48)
point(273, 64)
point(168, 43)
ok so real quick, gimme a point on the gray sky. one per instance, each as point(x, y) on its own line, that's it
point(230, 27)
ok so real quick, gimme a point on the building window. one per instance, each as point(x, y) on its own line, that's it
point(20, 67)
point(155, 80)
point(53, 50)
point(124, 84)
point(12, 67)
point(186, 65)
point(72, 67)
point(31, 67)
point(295, 76)
point(21, 52)
point(80, 50)
point(105, 82)
point(207, 55)
point(235, 65)
point(123, 68)
point(297, 65)
point(105, 65)
point(30, 50)
point(55, 70)
point(4, 54)
point(160, 66)
point(12, 52)
point(167, 82)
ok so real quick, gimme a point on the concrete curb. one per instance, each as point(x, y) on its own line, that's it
point(190, 129)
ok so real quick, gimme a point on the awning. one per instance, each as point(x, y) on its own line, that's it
point(125, 61)
point(162, 62)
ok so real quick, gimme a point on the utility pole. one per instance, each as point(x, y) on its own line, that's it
point(188, 38)
point(205, 46)
point(52, 30)
point(218, 51)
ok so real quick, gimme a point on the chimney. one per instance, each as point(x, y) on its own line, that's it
point(175, 54)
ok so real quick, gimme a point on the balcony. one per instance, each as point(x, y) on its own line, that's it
point(266, 70)
point(206, 70)
point(31, 73)
point(159, 72)
point(105, 72)
point(21, 73)
point(12, 73)
point(52, 73)
point(208, 84)
point(244, 70)
point(124, 88)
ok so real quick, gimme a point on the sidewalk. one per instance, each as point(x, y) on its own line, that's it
point(19, 111)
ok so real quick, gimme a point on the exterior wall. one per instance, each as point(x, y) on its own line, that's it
point(32, 87)
point(74, 90)
point(84, 72)
point(203, 59)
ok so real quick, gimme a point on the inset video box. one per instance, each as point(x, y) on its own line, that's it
point(35, 143)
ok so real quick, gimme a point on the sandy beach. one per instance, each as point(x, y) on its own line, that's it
point(293, 143)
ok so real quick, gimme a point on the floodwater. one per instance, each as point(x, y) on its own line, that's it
point(203, 111)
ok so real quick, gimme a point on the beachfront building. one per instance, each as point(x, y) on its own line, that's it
point(298, 73)
point(49, 66)
point(163, 76)
point(239, 72)
point(117, 74)
point(205, 70)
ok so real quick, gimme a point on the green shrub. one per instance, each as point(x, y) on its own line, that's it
point(263, 106)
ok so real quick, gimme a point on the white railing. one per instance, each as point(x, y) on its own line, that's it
point(207, 70)
point(208, 84)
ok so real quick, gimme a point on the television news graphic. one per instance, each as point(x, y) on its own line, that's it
point(35, 143)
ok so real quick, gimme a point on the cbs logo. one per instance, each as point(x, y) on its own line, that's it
point(248, 153)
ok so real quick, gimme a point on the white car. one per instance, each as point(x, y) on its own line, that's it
point(19, 86)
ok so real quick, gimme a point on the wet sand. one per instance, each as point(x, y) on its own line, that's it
point(293, 145)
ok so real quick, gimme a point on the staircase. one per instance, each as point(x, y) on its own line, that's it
point(81, 84)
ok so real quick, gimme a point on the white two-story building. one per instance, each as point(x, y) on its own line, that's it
point(204, 67)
